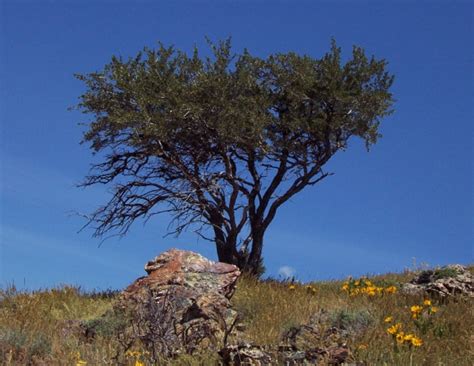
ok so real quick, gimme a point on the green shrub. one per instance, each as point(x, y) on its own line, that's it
point(445, 273)
point(108, 325)
point(13, 338)
point(40, 345)
point(352, 320)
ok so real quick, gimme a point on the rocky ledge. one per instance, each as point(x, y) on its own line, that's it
point(183, 305)
point(445, 282)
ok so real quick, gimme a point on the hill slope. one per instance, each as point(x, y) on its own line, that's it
point(40, 327)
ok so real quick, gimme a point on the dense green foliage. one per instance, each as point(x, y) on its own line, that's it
point(222, 142)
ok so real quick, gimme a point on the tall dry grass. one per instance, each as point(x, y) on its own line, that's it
point(33, 325)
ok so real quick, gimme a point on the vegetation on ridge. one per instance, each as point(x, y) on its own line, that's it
point(388, 327)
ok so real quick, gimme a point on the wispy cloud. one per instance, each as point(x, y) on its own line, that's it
point(286, 271)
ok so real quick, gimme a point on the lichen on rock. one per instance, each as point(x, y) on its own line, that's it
point(182, 305)
point(448, 281)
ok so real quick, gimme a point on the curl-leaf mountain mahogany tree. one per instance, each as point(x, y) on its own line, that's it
point(221, 143)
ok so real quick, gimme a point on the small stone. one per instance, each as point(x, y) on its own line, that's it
point(245, 354)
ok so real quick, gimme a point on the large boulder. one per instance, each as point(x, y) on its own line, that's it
point(444, 282)
point(182, 304)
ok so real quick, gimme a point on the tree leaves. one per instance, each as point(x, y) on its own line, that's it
point(226, 140)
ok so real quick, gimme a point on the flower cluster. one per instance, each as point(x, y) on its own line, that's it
point(79, 360)
point(400, 336)
point(421, 318)
point(364, 286)
point(426, 308)
point(137, 356)
point(309, 288)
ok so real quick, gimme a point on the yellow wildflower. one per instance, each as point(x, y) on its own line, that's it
point(368, 283)
point(79, 362)
point(139, 363)
point(427, 302)
point(394, 328)
point(357, 283)
point(417, 342)
point(311, 289)
point(345, 287)
point(371, 291)
point(400, 337)
point(433, 309)
point(133, 353)
point(388, 319)
point(355, 292)
point(292, 287)
point(416, 309)
point(390, 290)
point(408, 337)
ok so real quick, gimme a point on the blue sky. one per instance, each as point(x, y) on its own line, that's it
point(409, 198)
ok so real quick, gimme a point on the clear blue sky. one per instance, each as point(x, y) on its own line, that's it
point(410, 197)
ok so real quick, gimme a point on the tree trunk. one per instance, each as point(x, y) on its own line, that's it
point(250, 263)
point(224, 253)
point(254, 265)
point(227, 250)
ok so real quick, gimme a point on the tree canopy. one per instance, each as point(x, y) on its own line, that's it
point(220, 143)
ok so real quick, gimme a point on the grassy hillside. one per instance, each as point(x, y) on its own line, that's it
point(37, 327)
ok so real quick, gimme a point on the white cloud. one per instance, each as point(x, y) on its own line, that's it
point(286, 271)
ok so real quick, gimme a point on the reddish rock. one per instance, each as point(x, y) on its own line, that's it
point(183, 302)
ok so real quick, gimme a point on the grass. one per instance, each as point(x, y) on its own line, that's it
point(37, 328)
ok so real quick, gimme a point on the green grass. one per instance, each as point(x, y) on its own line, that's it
point(34, 325)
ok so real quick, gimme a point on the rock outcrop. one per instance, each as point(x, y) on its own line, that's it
point(182, 304)
point(448, 281)
point(314, 343)
point(254, 355)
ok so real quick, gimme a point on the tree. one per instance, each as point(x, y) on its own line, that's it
point(221, 143)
